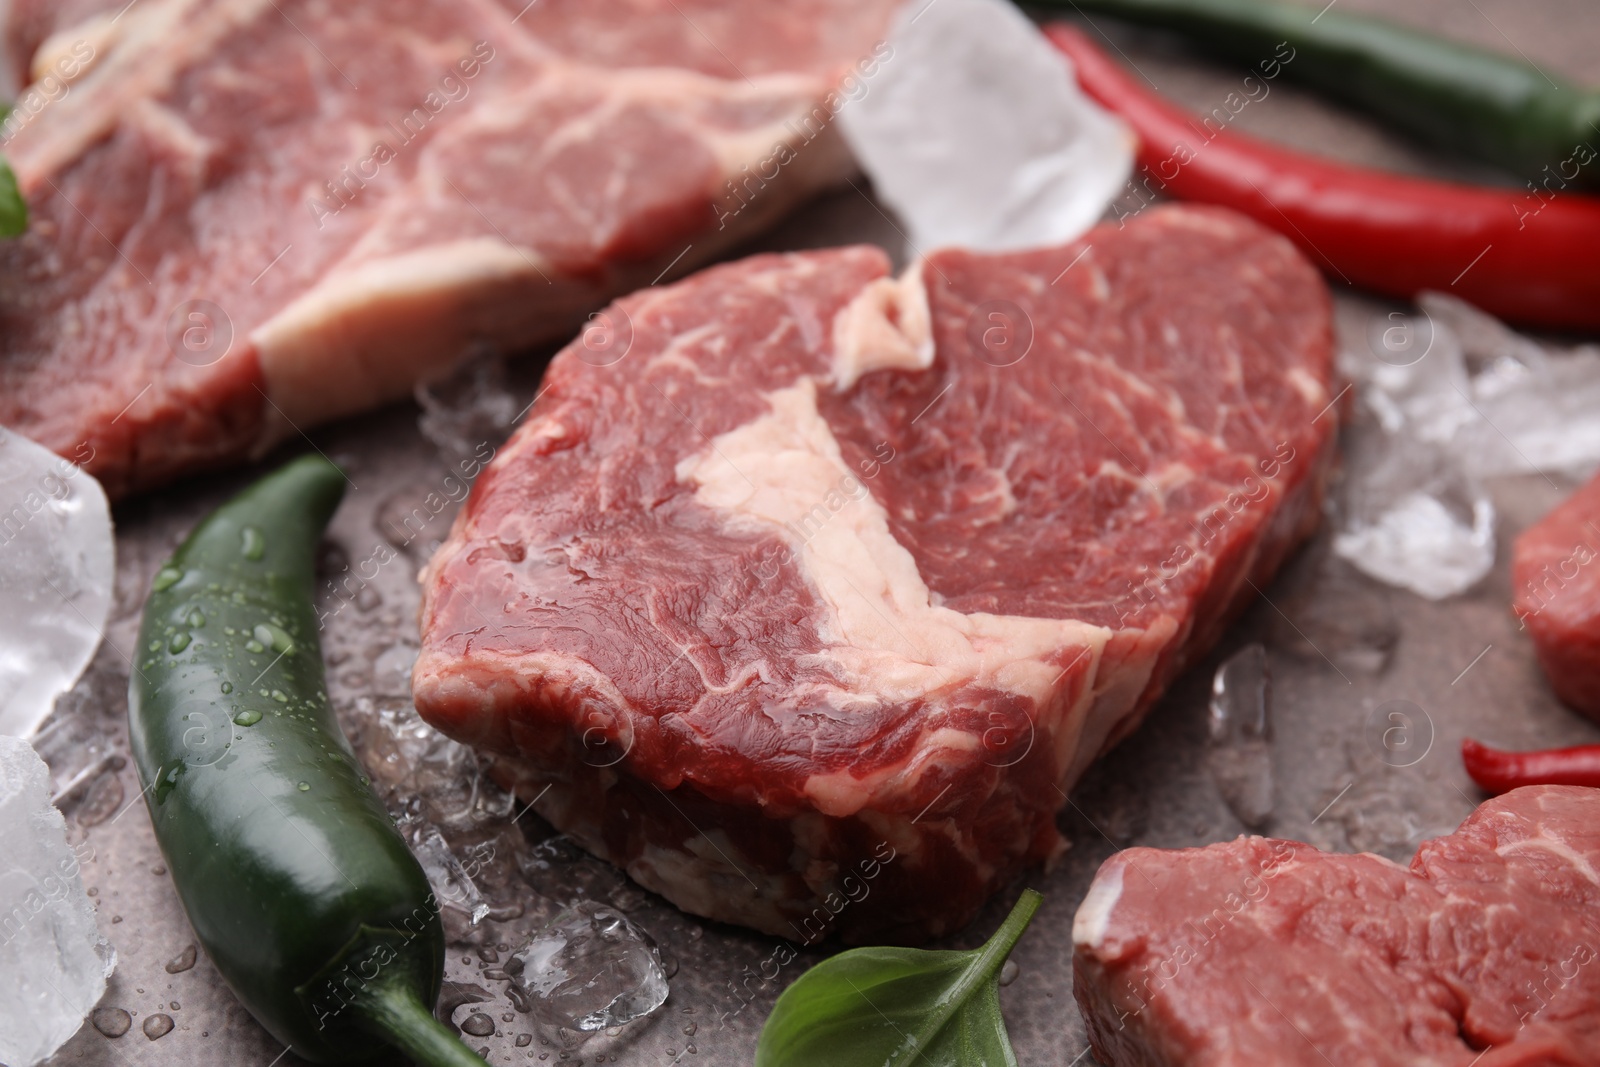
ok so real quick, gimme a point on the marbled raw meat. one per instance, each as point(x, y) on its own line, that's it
point(1485, 952)
point(253, 216)
point(818, 567)
point(1555, 573)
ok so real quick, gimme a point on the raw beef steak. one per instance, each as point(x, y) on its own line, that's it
point(1257, 952)
point(1555, 570)
point(813, 596)
point(251, 216)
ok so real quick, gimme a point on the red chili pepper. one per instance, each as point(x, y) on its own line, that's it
point(1497, 771)
point(1518, 256)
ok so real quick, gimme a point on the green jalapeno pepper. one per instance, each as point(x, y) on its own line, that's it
point(294, 878)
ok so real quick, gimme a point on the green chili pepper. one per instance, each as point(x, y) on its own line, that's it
point(1496, 108)
point(293, 876)
point(13, 209)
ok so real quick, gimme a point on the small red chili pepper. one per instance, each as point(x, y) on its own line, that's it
point(1519, 257)
point(1497, 771)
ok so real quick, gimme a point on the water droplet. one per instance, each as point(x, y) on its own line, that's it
point(227, 687)
point(1009, 972)
point(251, 544)
point(155, 646)
point(247, 717)
point(274, 637)
point(478, 1025)
point(524, 1040)
point(166, 578)
point(254, 646)
point(174, 1006)
point(179, 642)
point(197, 619)
point(280, 696)
point(167, 776)
point(157, 1026)
point(113, 1022)
point(304, 787)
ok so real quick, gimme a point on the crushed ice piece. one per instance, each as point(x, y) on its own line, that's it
point(1239, 726)
point(923, 126)
point(57, 573)
point(1535, 408)
point(451, 883)
point(470, 411)
point(1459, 397)
point(1422, 544)
point(54, 959)
point(590, 969)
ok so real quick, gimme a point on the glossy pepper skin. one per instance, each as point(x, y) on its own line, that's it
point(1521, 258)
point(1494, 107)
point(297, 884)
point(1496, 771)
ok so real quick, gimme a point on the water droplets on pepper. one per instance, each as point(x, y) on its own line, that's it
point(252, 545)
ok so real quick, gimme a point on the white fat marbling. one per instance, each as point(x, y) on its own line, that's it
point(1089, 925)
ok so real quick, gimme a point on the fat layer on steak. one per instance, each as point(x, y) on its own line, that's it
point(807, 591)
point(251, 216)
point(1486, 951)
point(1555, 574)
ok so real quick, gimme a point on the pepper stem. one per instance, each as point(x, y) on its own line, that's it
point(393, 1010)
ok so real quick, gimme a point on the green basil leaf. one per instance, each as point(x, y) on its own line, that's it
point(13, 209)
point(898, 1007)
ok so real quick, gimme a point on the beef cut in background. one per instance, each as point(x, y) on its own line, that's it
point(1555, 574)
point(1485, 951)
point(805, 600)
point(252, 216)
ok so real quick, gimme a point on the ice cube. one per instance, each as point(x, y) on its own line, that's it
point(1459, 398)
point(56, 577)
point(52, 955)
point(1239, 755)
point(920, 118)
point(590, 969)
point(1434, 543)
point(1416, 517)
point(449, 878)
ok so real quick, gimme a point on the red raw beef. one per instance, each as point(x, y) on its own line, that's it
point(807, 591)
point(252, 216)
point(1485, 952)
point(1555, 570)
